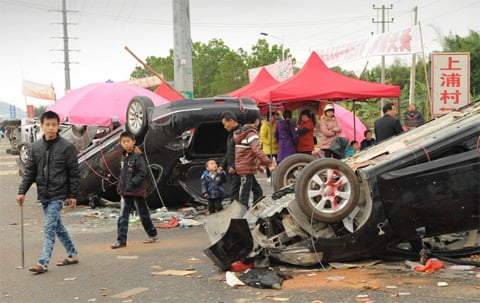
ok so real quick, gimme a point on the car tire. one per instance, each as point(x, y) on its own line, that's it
point(137, 116)
point(23, 153)
point(325, 182)
point(288, 170)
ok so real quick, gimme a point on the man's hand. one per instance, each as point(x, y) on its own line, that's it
point(20, 199)
point(219, 169)
point(231, 171)
point(72, 202)
point(272, 167)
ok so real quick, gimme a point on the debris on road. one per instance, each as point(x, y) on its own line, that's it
point(431, 266)
point(173, 272)
point(127, 257)
point(130, 292)
point(232, 280)
point(264, 278)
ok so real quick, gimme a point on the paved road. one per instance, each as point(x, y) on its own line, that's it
point(103, 274)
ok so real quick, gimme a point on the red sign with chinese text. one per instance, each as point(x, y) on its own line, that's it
point(450, 82)
point(30, 111)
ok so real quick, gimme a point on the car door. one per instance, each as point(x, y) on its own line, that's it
point(208, 141)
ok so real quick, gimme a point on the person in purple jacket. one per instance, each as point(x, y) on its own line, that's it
point(286, 136)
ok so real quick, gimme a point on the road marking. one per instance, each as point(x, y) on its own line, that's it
point(8, 172)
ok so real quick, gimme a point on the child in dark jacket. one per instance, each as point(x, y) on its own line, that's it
point(132, 189)
point(212, 186)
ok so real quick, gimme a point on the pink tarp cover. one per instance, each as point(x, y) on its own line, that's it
point(97, 103)
point(315, 81)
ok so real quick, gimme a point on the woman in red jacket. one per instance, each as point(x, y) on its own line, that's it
point(305, 132)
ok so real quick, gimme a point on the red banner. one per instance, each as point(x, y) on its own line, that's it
point(145, 82)
point(280, 70)
point(30, 111)
point(37, 90)
point(403, 42)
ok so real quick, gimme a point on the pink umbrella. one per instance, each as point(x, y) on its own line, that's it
point(98, 103)
point(345, 117)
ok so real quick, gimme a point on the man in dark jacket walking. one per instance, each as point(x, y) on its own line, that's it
point(387, 126)
point(53, 166)
point(230, 122)
point(131, 187)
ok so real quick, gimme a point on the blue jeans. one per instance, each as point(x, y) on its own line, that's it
point(128, 202)
point(53, 226)
point(249, 183)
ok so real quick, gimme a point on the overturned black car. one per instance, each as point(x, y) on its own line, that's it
point(177, 139)
point(419, 190)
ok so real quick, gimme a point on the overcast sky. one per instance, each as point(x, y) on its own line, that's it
point(105, 27)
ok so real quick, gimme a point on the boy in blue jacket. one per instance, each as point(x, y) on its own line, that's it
point(212, 186)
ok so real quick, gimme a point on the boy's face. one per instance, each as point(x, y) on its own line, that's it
point(50, 128)
point(127, 143)
point(211, 165)
point(356, 146)
point(368, 135)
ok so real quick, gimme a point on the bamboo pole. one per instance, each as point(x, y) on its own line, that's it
point(152, 71)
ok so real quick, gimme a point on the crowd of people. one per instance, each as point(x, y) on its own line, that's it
point(252, 147)
point(257, 146)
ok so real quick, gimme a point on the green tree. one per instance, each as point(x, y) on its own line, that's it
point(262, 54)
point(39, 110)
point(471, 44)
point(215, 68)
point(163, 66)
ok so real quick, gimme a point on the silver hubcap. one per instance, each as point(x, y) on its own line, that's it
point(329, 191)
point(135, 117)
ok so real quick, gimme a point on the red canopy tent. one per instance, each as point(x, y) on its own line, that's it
point(261, 81)
point(166, 92)
point(315, 81)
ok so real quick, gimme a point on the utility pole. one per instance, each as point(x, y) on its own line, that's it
point(182, 48)
point(383, 11)
point(411, 99)
point(66, 50)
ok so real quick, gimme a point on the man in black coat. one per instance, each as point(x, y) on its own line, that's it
point(387, 126)
point(53, 165)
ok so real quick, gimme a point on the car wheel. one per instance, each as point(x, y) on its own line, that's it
point(327, 190)
point(288, 170)
point(23, 152)
point(137, 116)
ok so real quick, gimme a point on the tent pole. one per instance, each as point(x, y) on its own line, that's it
point(354, 125)
point(271, 126)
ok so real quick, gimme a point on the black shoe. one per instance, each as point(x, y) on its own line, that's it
point(118, 244)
